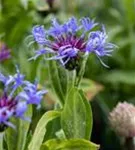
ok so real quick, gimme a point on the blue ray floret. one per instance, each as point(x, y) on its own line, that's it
point(39, 34)
point(88, 24)
point(18, 93)
point(73, 39)
point(31, 94)
point(73, 25)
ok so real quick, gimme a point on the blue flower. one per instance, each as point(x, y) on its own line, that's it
point(56, 28)
point(18, 94)
point(67, 52)
point(6, 80)
point(39, 34)
point(31, 94)
point(72, 40)
point(73, 25)
point(21, 108)
point(41, 52)
point(97, 43)
point(12, 82)
point(18, 79)
point(88, 24)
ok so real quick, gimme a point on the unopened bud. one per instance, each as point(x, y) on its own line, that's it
point(122, 119)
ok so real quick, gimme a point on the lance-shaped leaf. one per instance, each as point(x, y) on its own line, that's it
point(40, 130)
point(76, 118)
point(72, 144)
point(61, 79)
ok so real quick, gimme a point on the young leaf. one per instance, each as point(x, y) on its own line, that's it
point(61, 80)
point(89, 119)
point(76, 118)
point(16, 138)
point(40, 130)
point(72, 144)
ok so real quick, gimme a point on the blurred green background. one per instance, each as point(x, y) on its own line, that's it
point(17, 18)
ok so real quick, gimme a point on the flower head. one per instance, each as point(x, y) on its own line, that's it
point(18, 93)
point(10, 107)
point(4, 52)
point(71, 40)
point(122, 119)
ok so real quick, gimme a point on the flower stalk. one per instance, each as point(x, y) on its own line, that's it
point(1, 140)
point(81, 71)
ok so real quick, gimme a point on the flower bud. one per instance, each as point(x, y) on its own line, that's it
point(122, 119)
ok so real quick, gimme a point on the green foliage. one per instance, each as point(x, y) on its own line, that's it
point(72, 144)
point(76, 117)
point(40, 130)
point(16, 20)
point(117, 77)
point(61, 80)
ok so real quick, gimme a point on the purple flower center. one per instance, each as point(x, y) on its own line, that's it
point(68, 47)
point(7, 110)
point(6, 102)
point(71, 40)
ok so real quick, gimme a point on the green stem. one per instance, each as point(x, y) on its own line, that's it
point(1, 140)
point(71, 78)
point(81, 71)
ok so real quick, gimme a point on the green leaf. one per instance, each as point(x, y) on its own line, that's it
point(61, 80)
point(51, 129)
point(20, 27)
point(129, 10)
point(1, 140)
point(40, 130)
point(72, 144)
point(119, 76)
point(16, 138)
point(76, 118)
point(89, 119)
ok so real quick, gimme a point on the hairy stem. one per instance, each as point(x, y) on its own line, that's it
point(81, 71)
